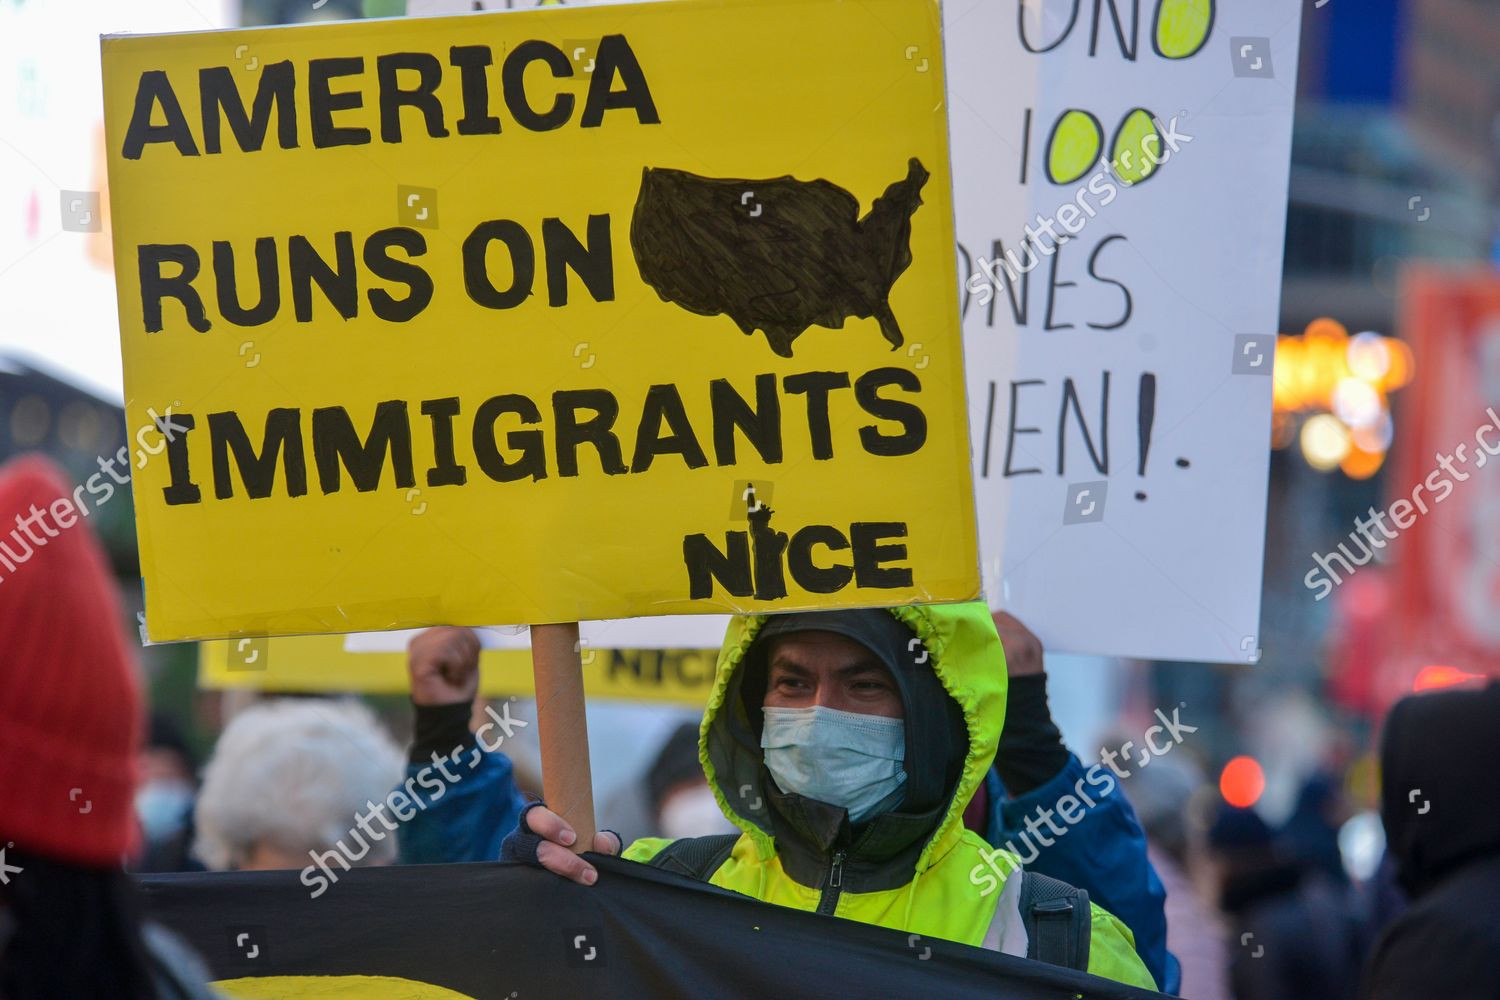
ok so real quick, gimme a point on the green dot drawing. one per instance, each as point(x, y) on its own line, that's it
point(1182, 27)
point(1074, 146)
point(1137, 150)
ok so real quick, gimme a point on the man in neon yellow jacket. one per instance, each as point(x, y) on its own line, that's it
point(845, 745)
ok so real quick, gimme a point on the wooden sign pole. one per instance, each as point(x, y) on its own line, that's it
point(562, 727)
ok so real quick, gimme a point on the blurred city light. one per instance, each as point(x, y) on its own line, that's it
point(1362, 845)
point(1339, 388)
point(1242, 781)
point(1325, 441)
point(1434, 677)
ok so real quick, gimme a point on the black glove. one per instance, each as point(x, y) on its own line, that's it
point(521, 844)
point(439, 730)
point(1031, 751)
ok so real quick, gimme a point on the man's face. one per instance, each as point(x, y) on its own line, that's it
point(822, 668)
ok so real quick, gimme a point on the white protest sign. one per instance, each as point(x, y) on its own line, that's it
point(1119, 383)
point(1119, 380)
point(661, 632)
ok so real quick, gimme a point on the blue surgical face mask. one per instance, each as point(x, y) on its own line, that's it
point(846, 759)
point(163, 808)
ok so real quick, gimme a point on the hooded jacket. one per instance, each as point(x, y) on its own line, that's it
point(1443, 831)
point(913, 868)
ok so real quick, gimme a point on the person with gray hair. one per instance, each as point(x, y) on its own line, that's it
point(289, 779)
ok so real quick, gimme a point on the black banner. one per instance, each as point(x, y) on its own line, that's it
point(511, 932)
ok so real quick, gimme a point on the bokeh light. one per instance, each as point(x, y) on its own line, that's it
point(1325, 441)
point(1242, 781)
point(1336, 388)
point(1437, 676)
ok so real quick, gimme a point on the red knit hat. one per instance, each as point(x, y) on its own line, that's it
point(70, 703)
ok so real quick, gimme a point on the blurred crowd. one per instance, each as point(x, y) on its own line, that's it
point(1219, 903)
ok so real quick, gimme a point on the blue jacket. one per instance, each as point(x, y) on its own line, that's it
point(465, 805)
point(1104, 852)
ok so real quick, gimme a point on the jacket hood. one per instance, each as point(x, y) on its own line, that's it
point(952, 685)
point(1437, 758)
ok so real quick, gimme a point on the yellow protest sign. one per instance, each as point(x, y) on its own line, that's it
point(541, 316)
point(317, 663)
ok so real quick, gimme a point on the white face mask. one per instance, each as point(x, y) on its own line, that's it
point(693, 812)
point(846, 759)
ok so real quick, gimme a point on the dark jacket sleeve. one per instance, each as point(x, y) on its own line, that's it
point(1101, 848)
point(464, 798)
point(1444, 946)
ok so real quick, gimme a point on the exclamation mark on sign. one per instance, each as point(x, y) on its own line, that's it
point(1145, 417)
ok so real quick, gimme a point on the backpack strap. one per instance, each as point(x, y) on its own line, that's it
point(1058, 921)
point(696, 857)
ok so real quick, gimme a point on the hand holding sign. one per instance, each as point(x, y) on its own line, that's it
point(559, 850)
